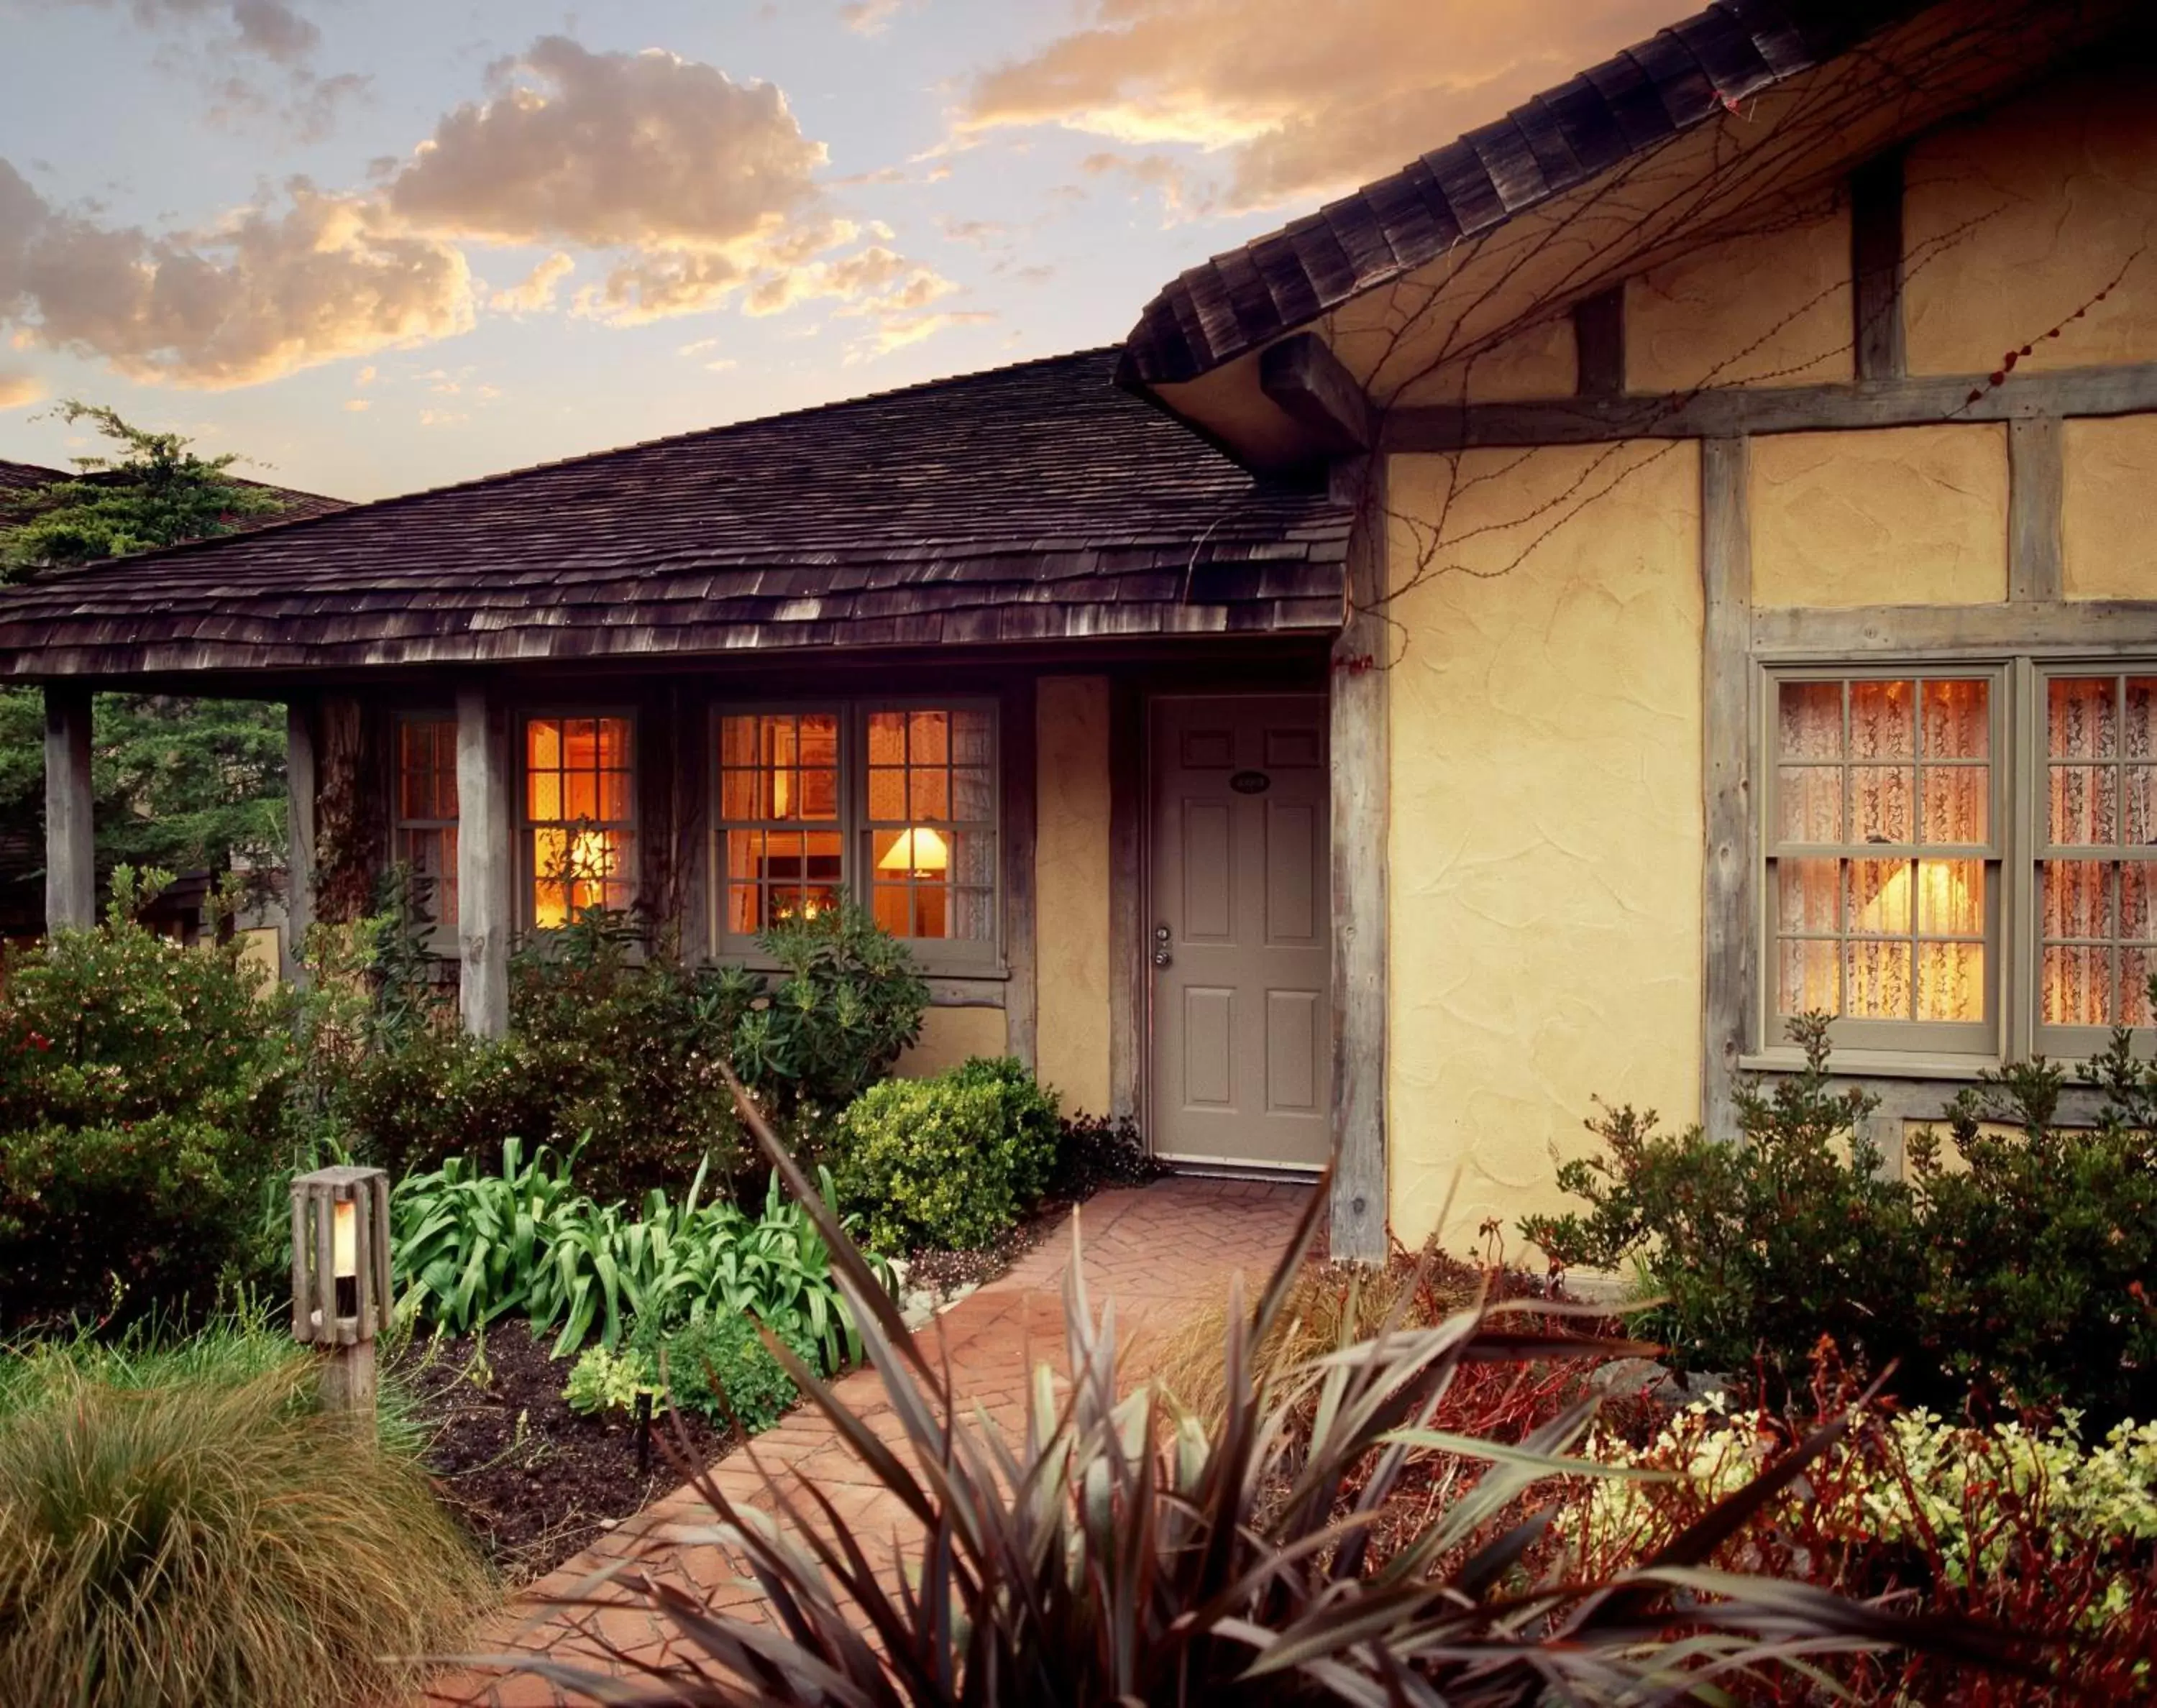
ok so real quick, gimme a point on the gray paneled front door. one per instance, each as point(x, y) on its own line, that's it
point(1241, 932)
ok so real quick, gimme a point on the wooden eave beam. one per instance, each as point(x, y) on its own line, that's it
point(2127, 390)
point(1309, 383)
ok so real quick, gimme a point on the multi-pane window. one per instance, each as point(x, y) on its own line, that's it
point(894, 806)
point(1884, 854)
point(2097, 928)
point(779, 795)
point(426, 832)
point(579, 815)
point(931, 822)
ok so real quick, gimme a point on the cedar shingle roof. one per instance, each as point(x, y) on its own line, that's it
point(16, 479)
point(1031, 503)
point(1555, 142)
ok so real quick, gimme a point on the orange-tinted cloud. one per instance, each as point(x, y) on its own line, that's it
point(19, 389)
point(611, 149)
point(265, 294)
point(1297, 100)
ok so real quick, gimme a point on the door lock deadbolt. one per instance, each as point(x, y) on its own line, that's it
point(1161, 955)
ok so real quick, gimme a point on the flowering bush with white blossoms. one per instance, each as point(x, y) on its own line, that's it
point(1965, 1498)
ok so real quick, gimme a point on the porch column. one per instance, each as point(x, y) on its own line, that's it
point(70, 839)
point(1359, 746)
point(485, 863)
point(299, 789)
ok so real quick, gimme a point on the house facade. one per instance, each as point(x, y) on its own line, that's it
point(1672, 559)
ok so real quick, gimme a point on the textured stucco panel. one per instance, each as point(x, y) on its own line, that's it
point(2112, 471)
point(1769, 307)
point(2017, 219)
point(1539, 362)
point(1898, 515)
point(951, 1035)
point(1071, 888)
point(1544, 866)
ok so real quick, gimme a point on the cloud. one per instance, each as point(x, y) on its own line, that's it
point(610, 150)
point(895, 331)
point(269, 28)
point(442, 418)
point(357, 404)
point(536, 290)
point(365, 376)
point(981, 234)
point(868, 18)
point(19, 389)
point(212, 39)
point(1297, 100)
point(265, 293)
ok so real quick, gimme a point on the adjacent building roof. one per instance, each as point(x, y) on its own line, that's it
point(16, 479)
point(1679, 78)
point(1031, 503)
point(19, 481)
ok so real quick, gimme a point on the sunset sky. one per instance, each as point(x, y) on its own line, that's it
point(381, 244)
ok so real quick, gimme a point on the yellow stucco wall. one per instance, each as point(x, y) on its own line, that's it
point(948, 1036)
point(1764, 308)
point(1542, 361)
point(2015, 219)
point(1899, 515)
point(2111, 471)
point(1071, 888)
point(1544, 867)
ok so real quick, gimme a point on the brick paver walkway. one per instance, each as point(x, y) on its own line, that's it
point(1158, 1252)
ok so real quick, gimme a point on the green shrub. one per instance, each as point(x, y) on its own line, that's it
point(617, 1045)
point(115, 1024)
point(2045, 1242)
point(152, 1218)
point(186, 1528)
point(605, 1379)
point(2020, 1277)
point(949, 1162)
point(720, 1367)
point(1033, 1120)
point(1756, 1248)
point(145, 1095)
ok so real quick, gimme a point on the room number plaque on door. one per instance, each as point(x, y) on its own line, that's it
point(1250, 782)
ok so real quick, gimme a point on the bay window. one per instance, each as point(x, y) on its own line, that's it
point(892, 806)
point(1959, 860)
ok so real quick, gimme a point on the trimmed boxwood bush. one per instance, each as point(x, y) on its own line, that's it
point(949, 1162)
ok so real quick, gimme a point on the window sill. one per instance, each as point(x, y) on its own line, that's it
point(1862, 1064)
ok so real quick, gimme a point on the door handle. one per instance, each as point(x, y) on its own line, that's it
point(1162, 956)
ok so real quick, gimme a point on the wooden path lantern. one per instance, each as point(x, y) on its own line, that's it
point(341, 1277)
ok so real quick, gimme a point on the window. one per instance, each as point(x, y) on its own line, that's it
point(579, 817)
point(425, 833)
point(2098, 930)
point(1883, 857)
point(1962, 861)
point(778, 794)
point(892, 806)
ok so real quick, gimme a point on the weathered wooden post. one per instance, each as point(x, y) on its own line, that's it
point(341, 1277)
point(70, 839)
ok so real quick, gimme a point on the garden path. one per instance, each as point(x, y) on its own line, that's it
point(1158, 1251)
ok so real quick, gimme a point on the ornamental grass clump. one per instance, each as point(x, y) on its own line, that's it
point(189, 1530)
point(1117, 1553)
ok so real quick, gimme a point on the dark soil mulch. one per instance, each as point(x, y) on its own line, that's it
point(534, 1481)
